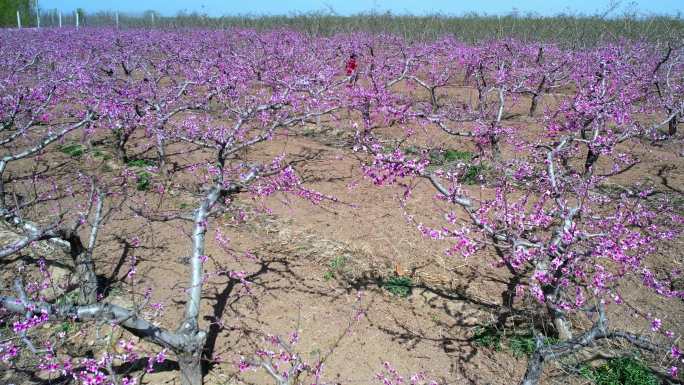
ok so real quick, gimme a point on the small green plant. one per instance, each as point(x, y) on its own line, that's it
point(440, 157)
point(184, 206)
point(338, 263)
point(522, 344)
point(450, 155)
point(68, 298)
point(488, 336)
point(141, 163)
point(412, 150)
point(335, 265)
point(74, 150)
point(65, 327)
point(144, 181)
point(472, 174)
point(399, 286)
point(454, 155)
point(621, 371)
point(99, 154)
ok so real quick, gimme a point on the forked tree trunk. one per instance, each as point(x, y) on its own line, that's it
point(190, 364)
point(543, 353)
point(533, 104)
point(85, 267)
point(161, 152)
point(560, 321)
point(189, 352)
point(536, 96)
point(562, 327)
point(121, 140)
point(672, 126)
point(592, 157)
point(535, 366)
point(433, 100)
point(85, 273)
point(480, 99)
point(496, 151)
point(2, 185)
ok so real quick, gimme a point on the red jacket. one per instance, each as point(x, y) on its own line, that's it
point(351, 66)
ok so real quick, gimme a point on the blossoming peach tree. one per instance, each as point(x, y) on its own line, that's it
point(199, 100)
point(219, 104)
point(543, 206)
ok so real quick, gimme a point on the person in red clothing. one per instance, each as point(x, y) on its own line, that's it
point(350, 68)
point(351, 64)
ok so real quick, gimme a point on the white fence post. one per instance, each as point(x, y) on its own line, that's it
point(76, 19)
point(60, 19)
point(117, 19)
point(18, 20)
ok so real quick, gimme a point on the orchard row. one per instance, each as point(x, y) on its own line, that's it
point(548, 127)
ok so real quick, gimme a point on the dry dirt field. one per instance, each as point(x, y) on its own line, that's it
point(319, 270)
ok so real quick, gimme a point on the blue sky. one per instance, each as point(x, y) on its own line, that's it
point(345, 7)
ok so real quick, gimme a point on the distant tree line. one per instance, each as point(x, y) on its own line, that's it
point(568, 29)
point(8, 12)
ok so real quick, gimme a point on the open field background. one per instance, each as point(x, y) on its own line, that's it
point(569, 30)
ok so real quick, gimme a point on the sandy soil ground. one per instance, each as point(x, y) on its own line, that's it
point(318, 270)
